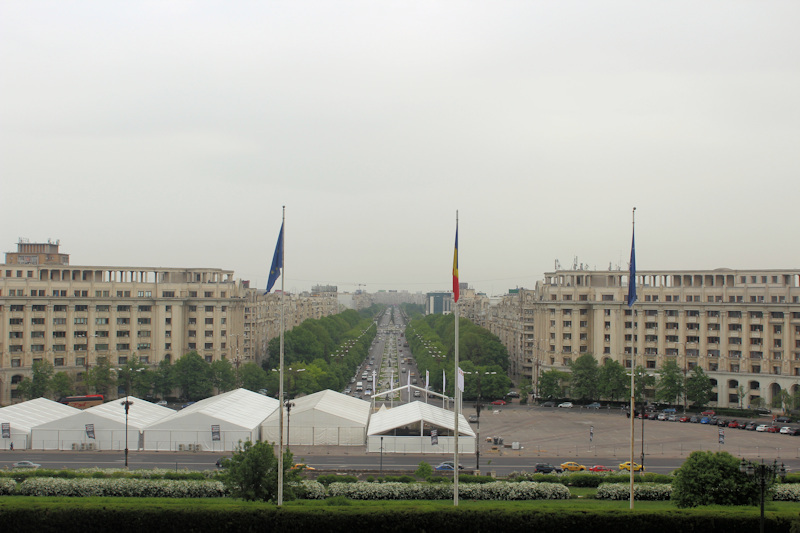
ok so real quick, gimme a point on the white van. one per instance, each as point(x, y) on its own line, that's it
point(359, 386)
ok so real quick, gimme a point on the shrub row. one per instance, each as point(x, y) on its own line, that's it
point(137, 488)
point(498, 490)
point(581, 479)
point(100, 473)
point(641, 491)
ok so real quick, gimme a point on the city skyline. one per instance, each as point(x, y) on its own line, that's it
point(170, 135)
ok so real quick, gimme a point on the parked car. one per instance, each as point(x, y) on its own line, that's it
point(599, 468)
point(499, 402)
point(627, 466)
point(513, 394)
point(785, 430)
point(751, 426)
point(162, 403)
point(773, 429)
point(187, 404)
point(672, 418)
point(548, 404)
point(762, 427)
point(26, 464)
point(733, 424)
point(594, 405)
point(695, 420)
point(662, 416)
point(793, 431)
point(670, 411)
point(783, 419)
point(567, 405)
point(652, 416)
point(708, 413)
point(572, 466)
point(684, 419)
point(473, 418)
point(546, 468)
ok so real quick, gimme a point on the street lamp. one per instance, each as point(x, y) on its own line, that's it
point(288, 406)
point(764, 474)
point(478, 416)
point(126, 403)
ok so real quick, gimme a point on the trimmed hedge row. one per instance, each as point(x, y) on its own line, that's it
point(122, 518)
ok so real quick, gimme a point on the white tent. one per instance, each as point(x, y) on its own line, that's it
point(23, 416)
point(101, 427)
point(407, 429)
point(218, 423)
point(325, 418)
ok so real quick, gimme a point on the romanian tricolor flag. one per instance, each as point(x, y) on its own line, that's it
point(455, 268)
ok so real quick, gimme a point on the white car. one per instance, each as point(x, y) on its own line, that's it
point(786, 430)
point(762, 427)
point(568, 405)
point(25, 464)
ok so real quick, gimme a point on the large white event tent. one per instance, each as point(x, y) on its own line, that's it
point(325, 418)
point(407, 429)
point(22, 417)
point(218, 423)
point(101, 427)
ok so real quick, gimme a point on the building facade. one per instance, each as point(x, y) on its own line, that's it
point(72, 315)
point(742, 327)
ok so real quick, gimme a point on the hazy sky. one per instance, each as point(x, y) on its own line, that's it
point(171, 133)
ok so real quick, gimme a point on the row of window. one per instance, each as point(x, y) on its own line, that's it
point(60, 293)
point(691, 298)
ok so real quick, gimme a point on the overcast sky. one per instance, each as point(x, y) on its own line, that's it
point(171, 133)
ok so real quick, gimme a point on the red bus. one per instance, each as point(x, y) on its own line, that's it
point(82, 402)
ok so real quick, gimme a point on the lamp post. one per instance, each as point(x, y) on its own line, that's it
point(478, 416)
point(126, 403)
point(288, 406)
point(764, 474)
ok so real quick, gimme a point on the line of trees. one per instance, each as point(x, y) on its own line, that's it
point(587, 381)
point(432, 342)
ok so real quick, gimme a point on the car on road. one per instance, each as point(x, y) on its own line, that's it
point(572, 466)
point(26, 464)
point(762, 427)
point(566, 405)
point(473, 418)
point(599, 468)
point(763, 411)
point(218, 464)
point(627, 466)
point(302, 466)
point(499, 402)
point(162, 403)
point(548, 404)
point(187, 404)
point(546, 468)
point(594, 405)
point(448, 465)
point(512, 394)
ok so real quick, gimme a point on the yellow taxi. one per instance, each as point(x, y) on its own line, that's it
point(627, 466)
point(302, 466)
point(572, 466)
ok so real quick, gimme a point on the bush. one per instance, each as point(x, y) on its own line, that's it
point(708, 478)
point(424, 470)
point(641, 491)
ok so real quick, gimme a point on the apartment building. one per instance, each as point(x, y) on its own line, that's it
point(73, 315)
point(742, 327)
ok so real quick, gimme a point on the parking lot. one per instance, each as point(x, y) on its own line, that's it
point(554, 432)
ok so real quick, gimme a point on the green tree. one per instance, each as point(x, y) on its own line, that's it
point(708, 478)
point(100, 378)
point(551, 383)
point(164, 379)
point(193, 376)
point(254, 378)
point(741, 394)
point(132, 375)
point(39, 384)
point(223, 375)
point(583, 382)
point(612, 381)
point(252, 472)
point(62, 385)
point(782, 401)
point(643, 382)
point(670, 383)
point(698, 387)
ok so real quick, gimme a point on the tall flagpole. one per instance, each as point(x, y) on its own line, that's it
point(280, 373)
point(457, 407)
point(631, 299)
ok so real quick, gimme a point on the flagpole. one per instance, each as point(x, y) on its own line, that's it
point(631, 299)
point(456, 409)
point(280, 373)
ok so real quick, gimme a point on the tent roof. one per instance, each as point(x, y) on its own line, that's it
point(140, 414)
point(332, 403)
point(34, 412)
point(413, 413)
point(239, 407)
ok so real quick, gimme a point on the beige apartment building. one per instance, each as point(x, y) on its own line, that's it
point(741, 326)
point(72, 315)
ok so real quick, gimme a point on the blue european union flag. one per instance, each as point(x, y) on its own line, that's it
point(277, 263)
point(632, 277)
